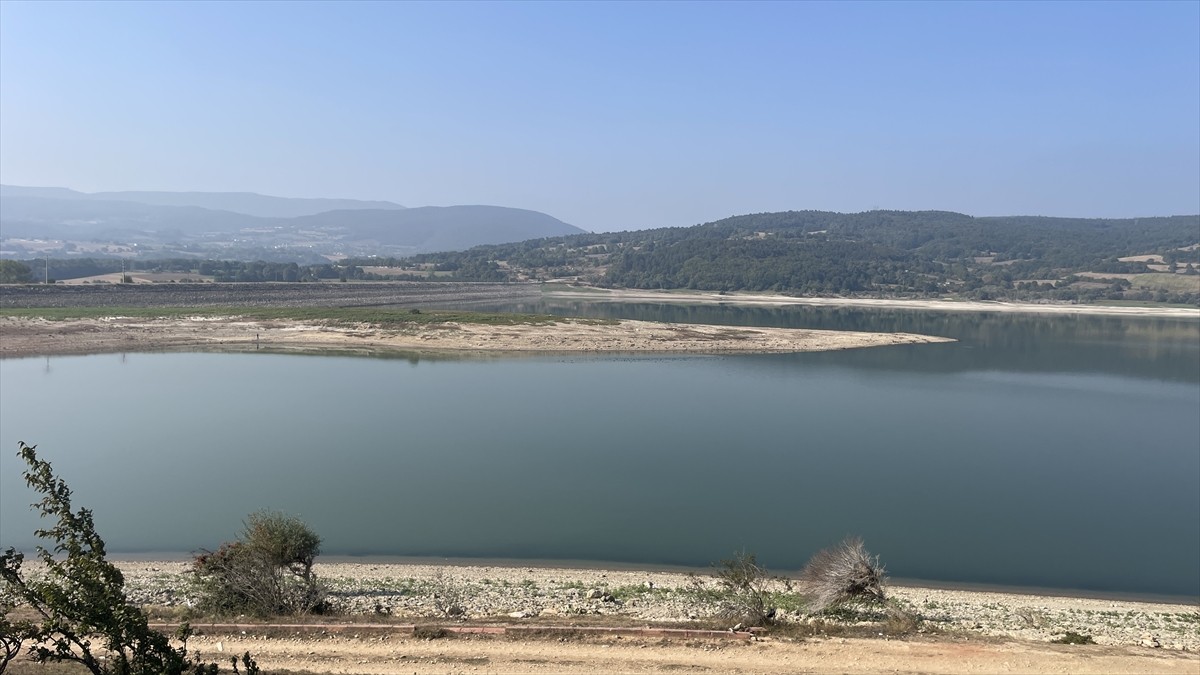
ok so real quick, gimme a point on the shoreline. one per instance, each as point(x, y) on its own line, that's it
point(22, 336)
point(759, 299)
point(596, 595)
point(571, 565)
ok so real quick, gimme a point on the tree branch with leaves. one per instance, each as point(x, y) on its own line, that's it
point(80, 613)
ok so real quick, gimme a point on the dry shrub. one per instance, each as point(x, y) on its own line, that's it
point(901, 621)
point(449, 596)
point(430, 632)
point(745, 595)
point(842, 574)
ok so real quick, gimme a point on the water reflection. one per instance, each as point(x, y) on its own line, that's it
point(1160, 348)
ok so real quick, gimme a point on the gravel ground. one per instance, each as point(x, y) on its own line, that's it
point(567, 595)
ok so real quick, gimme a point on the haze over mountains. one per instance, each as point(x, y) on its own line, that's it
point(248, 203)
point(50, 221)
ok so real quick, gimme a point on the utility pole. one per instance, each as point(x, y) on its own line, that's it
point(47, 270)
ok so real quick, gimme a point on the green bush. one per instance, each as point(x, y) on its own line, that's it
point(81, 614)
point(1073, 638)
point(268, 571)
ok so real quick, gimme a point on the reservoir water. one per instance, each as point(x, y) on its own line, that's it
point(1044, 451)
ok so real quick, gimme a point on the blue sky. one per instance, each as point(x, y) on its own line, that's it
point(615, 115)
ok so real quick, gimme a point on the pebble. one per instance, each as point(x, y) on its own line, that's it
point(665, 598)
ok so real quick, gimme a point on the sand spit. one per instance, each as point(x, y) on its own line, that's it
point(24, 336)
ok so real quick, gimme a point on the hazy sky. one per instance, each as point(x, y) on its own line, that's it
point(615, 115)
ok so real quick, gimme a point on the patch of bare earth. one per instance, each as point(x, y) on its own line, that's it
point(384, 654)
point(21, 336)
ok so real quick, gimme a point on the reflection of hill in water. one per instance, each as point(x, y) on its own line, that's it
point(1164, 349)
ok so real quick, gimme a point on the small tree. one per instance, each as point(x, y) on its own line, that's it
point(844, 573)
point(82, 613)
point(746, 596)
point(15, 272)
point(267, 571)
point(12, 634)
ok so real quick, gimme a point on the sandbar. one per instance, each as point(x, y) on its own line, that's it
point(33, 336)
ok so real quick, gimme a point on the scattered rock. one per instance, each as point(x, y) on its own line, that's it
point(404, 591)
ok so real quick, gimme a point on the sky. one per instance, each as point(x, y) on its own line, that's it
point(615, 115)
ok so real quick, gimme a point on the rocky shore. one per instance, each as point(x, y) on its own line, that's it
point(448, 593)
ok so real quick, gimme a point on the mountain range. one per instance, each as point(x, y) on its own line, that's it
point(58, 222)
point(247, 203)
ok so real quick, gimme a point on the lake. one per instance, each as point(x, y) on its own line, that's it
point(1044, 451)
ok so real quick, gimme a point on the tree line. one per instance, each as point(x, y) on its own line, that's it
point(877, 253)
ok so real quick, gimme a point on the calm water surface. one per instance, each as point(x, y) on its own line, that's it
point(1040, 451)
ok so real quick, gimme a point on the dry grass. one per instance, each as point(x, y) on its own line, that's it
point(1167, 282)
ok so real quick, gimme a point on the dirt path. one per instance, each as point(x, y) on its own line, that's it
point(24, 336)
point(480, 654)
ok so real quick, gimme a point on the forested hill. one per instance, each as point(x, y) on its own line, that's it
point(877, 253)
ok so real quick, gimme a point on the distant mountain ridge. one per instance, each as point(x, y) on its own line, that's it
point(189, 224)
point(444, 228)
point(248, 203)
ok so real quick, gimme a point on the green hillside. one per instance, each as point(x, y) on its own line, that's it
point(877, 253)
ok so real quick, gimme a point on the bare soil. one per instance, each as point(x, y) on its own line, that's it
point(22, 336)
point(619, 654)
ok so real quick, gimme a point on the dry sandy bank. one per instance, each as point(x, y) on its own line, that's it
point(602, 295)
point(564, 595)
point(959, 631)
point(22, 336)
point(393, 655)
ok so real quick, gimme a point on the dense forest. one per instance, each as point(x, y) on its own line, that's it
point(876, 254)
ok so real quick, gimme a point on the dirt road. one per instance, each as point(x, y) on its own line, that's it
point(480, 654)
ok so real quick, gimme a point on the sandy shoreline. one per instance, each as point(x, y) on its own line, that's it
point(26, 336)
point(541, 609)
point(557, 595)
point(569, 565)
point(739, 298)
